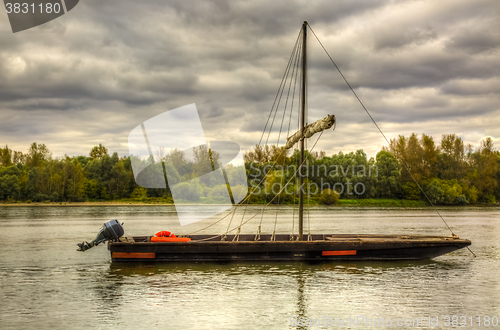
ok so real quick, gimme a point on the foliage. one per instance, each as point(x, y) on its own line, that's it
point(394, 173)
point(329, 197)
point(139, 193)
point(274, 188)
point(219, 192)
point(9, 187)
point(388, 175)
point(447, 192)
point(239, 192)
point(98, 152)
point(449, 172)
point(37, 154)
point(411, 191)
point(188, 191)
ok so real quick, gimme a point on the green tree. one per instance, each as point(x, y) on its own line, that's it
point(259, 154)
point(139, 193)
point(329, 197)
point(9, 187)
point(410, 155)
point(388, 175)
point(98, 152)
point(92, 189)
point(5, 157)
point(410, 191)
point(188, 191)
point(483, 170)
point(429, 159)
point(451, 159)
point(74, 178)
point(37, 154)
point(273, 186)
point(177, 159)
point(447, 192)
point(219, 193)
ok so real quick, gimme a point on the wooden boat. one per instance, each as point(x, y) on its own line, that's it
point(276, 247)
point(319, 249)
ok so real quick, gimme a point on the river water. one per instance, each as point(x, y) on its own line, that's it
point(46, 284)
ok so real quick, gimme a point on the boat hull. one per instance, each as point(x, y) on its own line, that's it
point(321, 248)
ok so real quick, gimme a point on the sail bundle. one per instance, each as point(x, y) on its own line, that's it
point(311, 129)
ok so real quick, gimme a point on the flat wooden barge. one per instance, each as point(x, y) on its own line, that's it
point(320, 248)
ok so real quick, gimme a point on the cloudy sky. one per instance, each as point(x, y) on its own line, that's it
point(94, 74)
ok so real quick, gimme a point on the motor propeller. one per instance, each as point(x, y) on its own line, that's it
point(111, 230)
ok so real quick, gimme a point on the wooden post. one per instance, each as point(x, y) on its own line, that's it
point(302, 125)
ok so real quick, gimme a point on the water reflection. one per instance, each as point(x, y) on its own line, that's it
point(46, 284)
point(301, 311)
point(104, 290)
point(296, 287)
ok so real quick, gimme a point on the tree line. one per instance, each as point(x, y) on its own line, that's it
point(415, 168)
point(37, 176)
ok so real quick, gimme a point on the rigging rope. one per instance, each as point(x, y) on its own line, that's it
point(288, 134)
point(281, 88)
point(285, 74)
point(297, 149)
point(229, 225)
point(380, 130)
point(237, 236)
point(244, 200)
point(280, 93)
point(293, 78)
point(288, 93)
point(293, 176)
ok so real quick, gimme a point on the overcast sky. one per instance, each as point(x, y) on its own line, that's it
point(94, 74)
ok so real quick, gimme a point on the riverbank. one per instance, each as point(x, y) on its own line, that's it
point(161, 201)
point(96, 203)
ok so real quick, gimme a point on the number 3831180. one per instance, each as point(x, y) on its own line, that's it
point(25, 8)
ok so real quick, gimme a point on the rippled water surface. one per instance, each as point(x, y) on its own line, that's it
point(46, 284)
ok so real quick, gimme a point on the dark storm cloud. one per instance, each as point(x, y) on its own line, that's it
point(96, 73)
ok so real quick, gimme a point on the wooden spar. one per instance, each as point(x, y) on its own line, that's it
point(318, 126)
point(302, 125)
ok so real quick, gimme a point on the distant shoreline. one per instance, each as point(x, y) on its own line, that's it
point(110, 203)
point(342, 202)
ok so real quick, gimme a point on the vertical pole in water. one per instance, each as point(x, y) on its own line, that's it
point(302, 124)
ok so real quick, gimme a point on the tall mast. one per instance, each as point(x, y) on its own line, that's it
point(302, 125)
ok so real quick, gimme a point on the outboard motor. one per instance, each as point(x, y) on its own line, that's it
point(111, 230)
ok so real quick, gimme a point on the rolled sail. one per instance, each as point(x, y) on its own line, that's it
point(311, 129)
